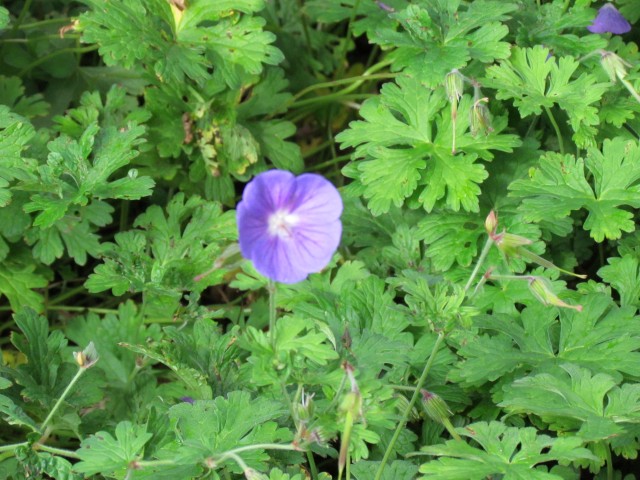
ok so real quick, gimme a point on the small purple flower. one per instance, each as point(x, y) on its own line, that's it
point(187, 400)
point(289, 226)
point(609, 19)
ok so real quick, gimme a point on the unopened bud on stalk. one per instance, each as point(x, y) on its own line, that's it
point(491, 224)
point(303, 411)
point(513, 246)
point(88, 357)
point(541, 289)
point(454, 85)
point(251, 474)
point(480, 117)
point(613, 65)
point(616, 69)
point(435, 407)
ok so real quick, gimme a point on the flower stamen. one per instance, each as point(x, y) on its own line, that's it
point(281, 224)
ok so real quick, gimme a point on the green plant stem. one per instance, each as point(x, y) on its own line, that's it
point(356, 81)
point(347, 37)
point(328, 163)
point(451, 429)
point(154, 463)
point(23, 13)
point(69, 308)
point(481, 259)
point(56, 451)
point(42, 23)
point(62, 397)
point(409, 407)
point(35, 39)
point(556, 128)
point(312, 465)
point(62, 51)
point(607, 449)
point(305, 26)
point(260, 446)
point(271, 288)
point(629, 87)
point(316, 149)
point(67, 294)
point(403, 388)
point(12, 447)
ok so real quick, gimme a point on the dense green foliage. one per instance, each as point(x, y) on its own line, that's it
point(441, 342)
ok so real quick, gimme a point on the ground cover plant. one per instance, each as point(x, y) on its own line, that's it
point(348, 239)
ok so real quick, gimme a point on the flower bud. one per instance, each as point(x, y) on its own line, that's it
point(510, 244)
point(541, 289)
point(435, 407)
point(613, 65)
point(480, 117)
point(403, 403)
point(88, 357)
point(454, 85)
point(177, 10)
point(303, 411)
point(491, 223)
point(251, 474)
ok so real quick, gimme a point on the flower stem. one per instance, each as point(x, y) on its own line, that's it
point(607, 449)
point(12, 447)
point(312, 465)
point(629, 87)
point(481, 259)
point(56, 451)
point(62, 397)
point(271, 288)
point(347, 38)
point(409, 407)
point(62, 51)
point(556, 128)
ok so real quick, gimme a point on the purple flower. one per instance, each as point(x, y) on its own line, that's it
point(609, 19)
point(289, 226)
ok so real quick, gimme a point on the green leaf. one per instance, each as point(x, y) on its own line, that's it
point(12, 413)
point(433, 39)
point(4, 17)
point(12, 94)
point(296, 341)
point(536, 81)
point(166, 254)
point(111, 149)
point(623, 274)
point(210, 427)
point(106, 333)
point(511, 452)
point(397, 470)
point(559, 28)
point(573, 399)
point(205, 37)
point(18, 281)
point(589, 339)
point(102, 453)
point(559, 186)
point(15, 133)
point(403, 148)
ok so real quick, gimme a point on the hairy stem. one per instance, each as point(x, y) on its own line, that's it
point(271, 288)
point(481, 259)
point(409, 407)
point(62, 397)
point(556, 128)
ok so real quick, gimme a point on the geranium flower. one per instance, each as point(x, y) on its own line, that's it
point(609, 19)
point(289, 226)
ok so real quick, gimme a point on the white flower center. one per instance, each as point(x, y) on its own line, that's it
point(281, 224)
